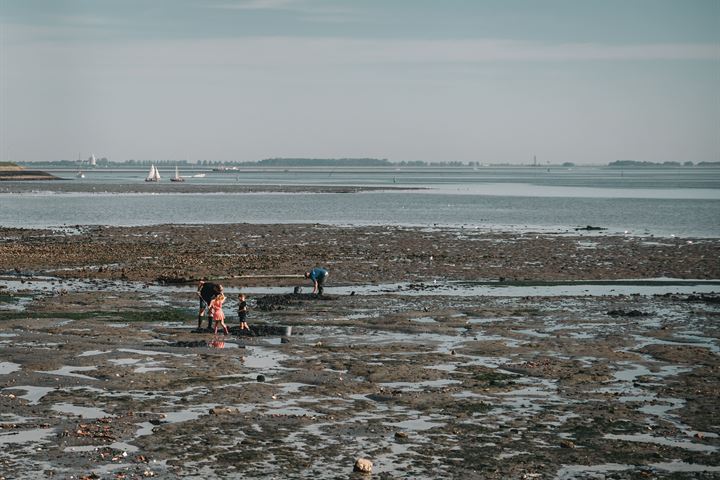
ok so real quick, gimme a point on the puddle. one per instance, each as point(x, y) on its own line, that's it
point(705, 343)
point(423, 320)
point(69, 372)
point(685, 467)
point(124, 361)
point(266, 358)
point(418, 386)
point(193, 413)
point(33, 435)
point(635, 371)
point(34, 394)
point(81, 448)
point(290, 388)
point(149, 352)
point(417, 424)
point(646, 438)
point(9, 367)
point(91, 353)
point(480, 321)
point(84, 412)
point(533, 333)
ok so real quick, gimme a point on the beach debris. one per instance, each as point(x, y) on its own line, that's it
point(363, 465)
point(401, 435)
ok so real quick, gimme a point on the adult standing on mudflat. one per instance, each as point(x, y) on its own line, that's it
point(206, 291)
point(318, 276)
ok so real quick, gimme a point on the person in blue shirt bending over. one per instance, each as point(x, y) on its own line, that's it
point(318, 276)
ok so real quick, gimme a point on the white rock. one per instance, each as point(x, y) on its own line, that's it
point(363, 465)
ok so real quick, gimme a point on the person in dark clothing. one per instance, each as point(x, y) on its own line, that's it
point(318, 276)
point(242, 312)
point(206, 291)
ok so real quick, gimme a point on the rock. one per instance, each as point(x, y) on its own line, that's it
point(567, 444)
point(261, 378)
point(401, 435)
point(223, 410)
point(363, 465)
point(284, 340)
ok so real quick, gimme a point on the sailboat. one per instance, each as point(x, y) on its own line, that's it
point(153, 175)
point(177, 177)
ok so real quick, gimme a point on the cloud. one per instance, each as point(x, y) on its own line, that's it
point(339, 51)
point(327, 13)
point(273, 51)
point(257, 5)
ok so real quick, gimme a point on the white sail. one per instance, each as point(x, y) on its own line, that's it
point(153, 175)
point(177, 177)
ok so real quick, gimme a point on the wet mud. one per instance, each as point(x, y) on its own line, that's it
point(113, 381)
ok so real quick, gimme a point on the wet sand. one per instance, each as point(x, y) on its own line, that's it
point(103, 374)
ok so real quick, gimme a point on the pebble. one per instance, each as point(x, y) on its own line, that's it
point(363, 465)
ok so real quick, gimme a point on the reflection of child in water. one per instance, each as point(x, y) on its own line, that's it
point(242, 312)
point(216, 310)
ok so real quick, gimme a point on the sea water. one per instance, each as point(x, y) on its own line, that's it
point(684, 202)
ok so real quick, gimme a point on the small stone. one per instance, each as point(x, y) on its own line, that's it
point(567, 444)
point(401, 435)
point(363, 465)
point(223, 410)
point(261, 378)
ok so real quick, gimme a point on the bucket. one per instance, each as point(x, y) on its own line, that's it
point(287, 332)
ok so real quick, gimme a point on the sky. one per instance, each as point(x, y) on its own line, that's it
point(496, 81)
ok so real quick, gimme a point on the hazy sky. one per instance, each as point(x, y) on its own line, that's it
point(435, 80)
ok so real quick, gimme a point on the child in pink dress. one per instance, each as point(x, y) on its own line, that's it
point(217, 312)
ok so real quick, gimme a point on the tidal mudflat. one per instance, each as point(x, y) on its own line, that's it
point(402, 361)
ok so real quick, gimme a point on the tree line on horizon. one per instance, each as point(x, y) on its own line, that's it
point(638, 163)
point(336, 162)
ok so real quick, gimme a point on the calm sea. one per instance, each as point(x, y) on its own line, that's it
point(664, 201)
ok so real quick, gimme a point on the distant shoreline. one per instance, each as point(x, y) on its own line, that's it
point(168, 187)
point(25, 175)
